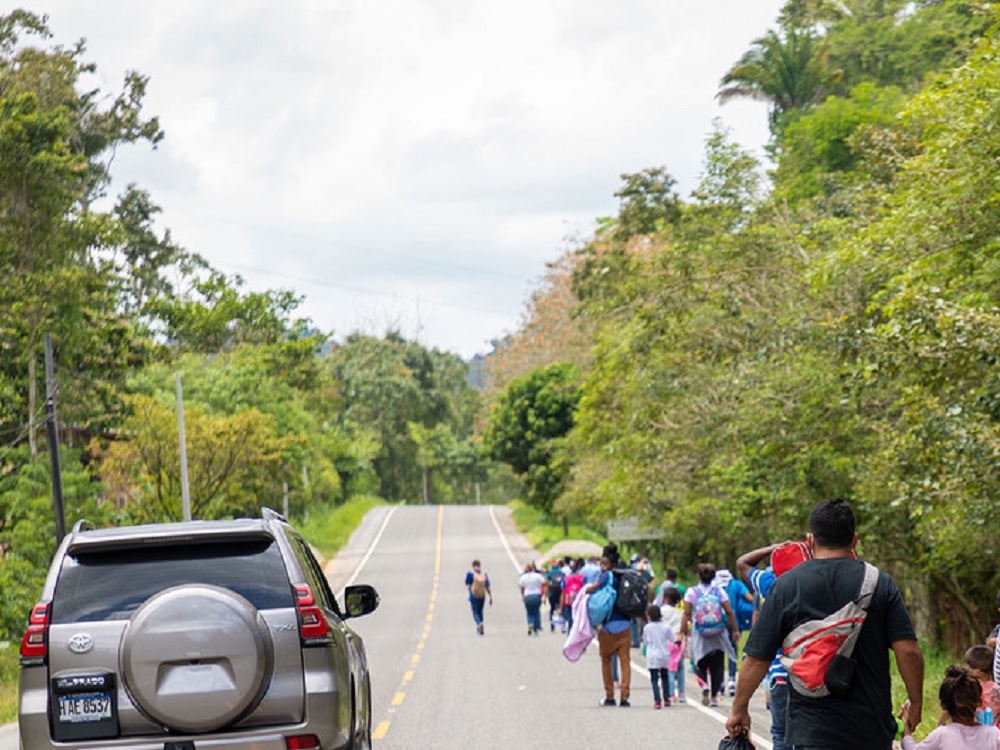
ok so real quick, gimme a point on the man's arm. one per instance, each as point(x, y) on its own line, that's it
point(752, 672)
point(751, 559)
point(910, 663)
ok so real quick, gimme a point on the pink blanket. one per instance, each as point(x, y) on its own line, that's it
point(581, 634)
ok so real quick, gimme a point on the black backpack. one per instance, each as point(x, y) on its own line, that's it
point(632, 592)
point(556, 581)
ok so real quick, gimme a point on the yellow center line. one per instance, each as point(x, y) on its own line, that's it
point(397, 700)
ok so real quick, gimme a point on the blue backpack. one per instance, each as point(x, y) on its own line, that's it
point(709, 618)
point(601, 602)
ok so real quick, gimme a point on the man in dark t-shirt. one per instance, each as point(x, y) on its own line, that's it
point(862, 718)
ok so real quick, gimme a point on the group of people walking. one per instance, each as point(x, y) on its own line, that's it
point(822, 626)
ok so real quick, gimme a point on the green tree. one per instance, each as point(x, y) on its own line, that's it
point(787, 69)
point(387, 384)
point(647, 203)
point(234, 462)
point(56, 146)
point(817, 151)
point(526, 425)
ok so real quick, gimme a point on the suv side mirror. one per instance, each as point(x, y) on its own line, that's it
point(360, 600)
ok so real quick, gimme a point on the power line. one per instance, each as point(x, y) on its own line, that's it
point(350, 287)
point(352, 246)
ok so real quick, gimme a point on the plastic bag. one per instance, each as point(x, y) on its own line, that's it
point(742, 742)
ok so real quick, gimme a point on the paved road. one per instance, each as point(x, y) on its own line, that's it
point(437, 684)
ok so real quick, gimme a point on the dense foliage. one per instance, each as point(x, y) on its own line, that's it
point(829, 328)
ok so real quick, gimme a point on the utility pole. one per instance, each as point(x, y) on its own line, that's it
point(185, 491)
point(52, 428)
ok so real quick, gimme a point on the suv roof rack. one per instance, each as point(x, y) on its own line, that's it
point(269, 514)
point(82, 525)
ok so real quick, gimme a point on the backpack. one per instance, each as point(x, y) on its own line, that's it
point(632, 592)
point(601, 602)
point(709, 618)
point(555, 582)
point(478, 587)
point(571, 587)
point(817, 653)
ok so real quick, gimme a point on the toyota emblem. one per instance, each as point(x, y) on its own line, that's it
point(80, 643)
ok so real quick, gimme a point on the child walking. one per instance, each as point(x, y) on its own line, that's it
point(672, 617)
point(960, 696)
point(657, 638)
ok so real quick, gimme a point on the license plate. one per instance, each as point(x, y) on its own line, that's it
point(86, 707)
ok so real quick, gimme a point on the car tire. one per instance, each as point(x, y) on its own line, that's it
point(196, 658)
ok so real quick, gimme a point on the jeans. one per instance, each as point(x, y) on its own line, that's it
point(619, 644)
point(635, 626)
point(714, 665)
point(533, 608)
point(567, 613)
point(779, 714)
point(679, 677)
point(658, 675)
point(477, 608)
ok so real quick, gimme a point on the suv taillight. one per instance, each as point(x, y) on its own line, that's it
point(302, 742)
point(312, 624)
point(35, 644)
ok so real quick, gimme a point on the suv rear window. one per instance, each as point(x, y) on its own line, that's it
point(111, 584)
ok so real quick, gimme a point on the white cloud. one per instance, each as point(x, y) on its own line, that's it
point(415, 160)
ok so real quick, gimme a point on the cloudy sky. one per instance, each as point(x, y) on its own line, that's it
point(412, 163)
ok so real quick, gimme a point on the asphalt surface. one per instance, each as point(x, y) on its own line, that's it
point(437, 684)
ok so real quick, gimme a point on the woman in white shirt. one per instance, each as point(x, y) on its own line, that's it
point(532, 585)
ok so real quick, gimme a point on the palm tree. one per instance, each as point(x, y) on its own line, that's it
point(788, 71)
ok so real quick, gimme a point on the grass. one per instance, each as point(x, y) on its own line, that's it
point(543, 531)
point(935, 663)
point(9, 660)
point(329, 529)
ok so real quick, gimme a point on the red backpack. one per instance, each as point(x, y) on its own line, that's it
point(817, 653)
point(571, 587)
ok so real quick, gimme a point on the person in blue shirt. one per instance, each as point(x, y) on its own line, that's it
point(614, 637)
point(478, 584)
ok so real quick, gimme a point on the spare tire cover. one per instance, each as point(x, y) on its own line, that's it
point(196, 657)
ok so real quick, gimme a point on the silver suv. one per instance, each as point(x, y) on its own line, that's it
point(220, 634)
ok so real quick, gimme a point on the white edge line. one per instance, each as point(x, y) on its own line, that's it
point(503, 539)
point(764, 743)
point(368, 553)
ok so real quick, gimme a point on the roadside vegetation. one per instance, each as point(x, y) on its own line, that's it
point(329, 529)
point(824, 325)
point(9, 656)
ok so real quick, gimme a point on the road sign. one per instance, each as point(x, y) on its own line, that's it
point(630, 530)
